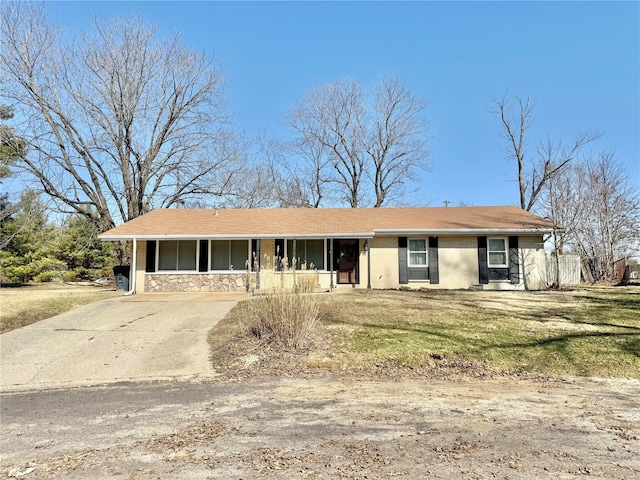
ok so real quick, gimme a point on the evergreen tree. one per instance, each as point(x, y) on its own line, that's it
point(28, 241)
point(85, 256)
point(12, 148)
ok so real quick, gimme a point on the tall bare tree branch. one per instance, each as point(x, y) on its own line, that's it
point(533, 172)
point(346, 138)
point(395, 140)
point(119, 122)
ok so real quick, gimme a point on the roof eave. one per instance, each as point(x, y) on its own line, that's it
point(113, 238)
point(377, 231)
point(460, 231)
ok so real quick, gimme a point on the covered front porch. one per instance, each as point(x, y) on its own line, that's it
point(209, 265)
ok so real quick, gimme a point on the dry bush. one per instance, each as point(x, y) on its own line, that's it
point(306, 282)
point(284, 318)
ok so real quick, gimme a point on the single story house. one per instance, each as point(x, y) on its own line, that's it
point(498, 248)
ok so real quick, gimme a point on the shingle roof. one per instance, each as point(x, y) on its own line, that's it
point(326, 222)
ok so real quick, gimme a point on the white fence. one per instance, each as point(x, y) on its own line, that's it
point(569, 270)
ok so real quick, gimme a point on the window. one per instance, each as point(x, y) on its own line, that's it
point(309, 253)
point(417, 252)
point(315, 254)
point(497, 252)
point(229, 254)
point(177, 255)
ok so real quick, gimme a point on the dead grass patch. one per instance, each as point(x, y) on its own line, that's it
point(26, 304)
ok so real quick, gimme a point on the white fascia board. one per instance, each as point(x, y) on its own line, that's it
point(235, 237)
point(462, 231)
point(376, 232)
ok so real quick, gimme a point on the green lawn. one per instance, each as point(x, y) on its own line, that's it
point(589, 332)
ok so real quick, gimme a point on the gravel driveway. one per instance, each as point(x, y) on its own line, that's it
point(143, 337)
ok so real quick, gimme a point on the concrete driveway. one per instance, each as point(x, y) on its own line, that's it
point(142, 337)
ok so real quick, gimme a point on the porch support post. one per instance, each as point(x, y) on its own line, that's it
point(331, 262)
point(133, 268)
point(257, 264)
point(293, 265)
point(367, 247)
point(294, 254)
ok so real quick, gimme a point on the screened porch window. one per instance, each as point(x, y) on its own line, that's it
point(497, 252)
point(177, 255)
point(417, 252)
point(229, 254)
point(309, 253)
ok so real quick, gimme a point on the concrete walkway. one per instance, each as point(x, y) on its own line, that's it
point(142, 337)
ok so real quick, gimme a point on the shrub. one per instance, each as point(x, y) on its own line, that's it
point(102, 272)
point(45, 277)
point(69, 277)
point(82, 273)
point(284, 318)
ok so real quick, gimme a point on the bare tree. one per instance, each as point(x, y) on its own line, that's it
point(346, 138)
point(119, 122)
point(264, 186)
point(551, 155)
point(265, 181)
point(329, 118)
point(562, 201)
point(608, 222)
point(311, 173)
point(394, 140)
point(599, 214)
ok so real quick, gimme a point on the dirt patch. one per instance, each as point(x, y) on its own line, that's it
point(244, 358)
point(346, 428)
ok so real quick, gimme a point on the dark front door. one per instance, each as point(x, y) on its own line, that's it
point(345, 260)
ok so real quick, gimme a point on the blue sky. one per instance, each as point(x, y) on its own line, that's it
point(579, 62)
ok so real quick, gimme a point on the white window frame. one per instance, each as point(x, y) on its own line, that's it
point(425, 251)
point(506, 252)
point(177, 256)
point(244, 267)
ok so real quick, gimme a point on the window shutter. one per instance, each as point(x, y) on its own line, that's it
point(434, 276)
point(482, 260)
point(150, 265)
point(402, 260)
point(203, 261)
point(514, 260)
